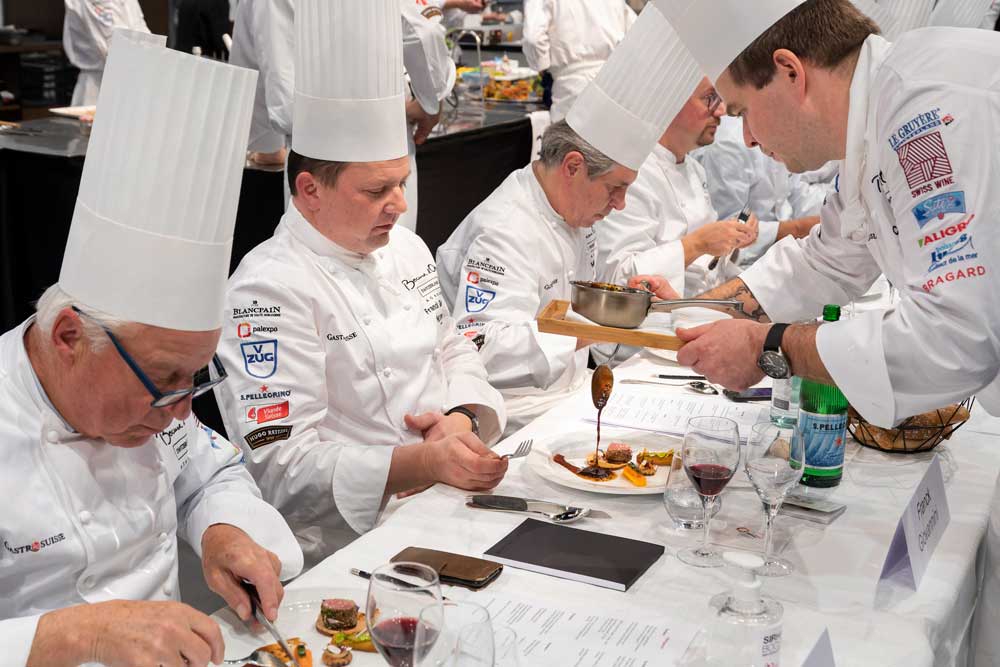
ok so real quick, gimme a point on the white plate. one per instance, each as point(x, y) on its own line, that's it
point(296, 618)
point(74, 112)
point(576, 446)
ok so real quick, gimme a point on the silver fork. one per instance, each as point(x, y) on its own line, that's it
point(258, 658)
point(522, 450)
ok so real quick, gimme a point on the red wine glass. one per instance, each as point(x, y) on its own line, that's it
point(711, 456)
point(397, 593)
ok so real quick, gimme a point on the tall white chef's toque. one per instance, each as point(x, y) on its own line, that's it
point(894, 17)
point(959, 13)
point(152, 231)
point(648, 78)
point(350, 103)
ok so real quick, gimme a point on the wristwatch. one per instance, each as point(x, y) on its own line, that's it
point(771, 360)
point(462, 410)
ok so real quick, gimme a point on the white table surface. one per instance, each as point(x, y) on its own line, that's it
point(836, 583)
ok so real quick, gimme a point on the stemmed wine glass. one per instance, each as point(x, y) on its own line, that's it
point(397, 593)
point(774, 465)
point(454, 634)
point(711, 455)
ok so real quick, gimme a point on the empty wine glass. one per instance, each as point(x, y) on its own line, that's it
point(711, 455)
point(454, 634)
point(507, 651)
point(774, 465)
point(397, 594)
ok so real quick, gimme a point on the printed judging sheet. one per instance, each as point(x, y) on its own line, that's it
point(552, 635)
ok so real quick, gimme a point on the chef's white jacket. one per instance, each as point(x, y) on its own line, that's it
point(572, 39)
point(85, 521)
point(247, 53)
point(666, 202)
point(511, 256)
point(738, 175)
point(917, 200)
point(326, 351)
point(87, 29)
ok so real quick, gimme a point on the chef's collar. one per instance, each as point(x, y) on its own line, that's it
point(530, 181)
point(303, 230)
point(666, 156)
point(29, 371)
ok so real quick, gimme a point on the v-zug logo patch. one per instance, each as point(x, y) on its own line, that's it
point(260, 359)
point(477, 299)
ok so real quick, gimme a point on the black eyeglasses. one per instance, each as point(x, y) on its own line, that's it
point(712, 101)
point(202, 381)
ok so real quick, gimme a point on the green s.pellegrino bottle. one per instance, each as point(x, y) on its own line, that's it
point(822, 424)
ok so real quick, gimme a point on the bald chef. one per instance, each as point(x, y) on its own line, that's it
point(533, 236)
point(914, 201)
point(103, 459)
point(349, 382)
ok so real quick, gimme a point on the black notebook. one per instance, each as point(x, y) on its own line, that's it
point(580, 555)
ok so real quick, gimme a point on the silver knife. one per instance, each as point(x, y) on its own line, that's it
point(528, 506)
point(258, 613)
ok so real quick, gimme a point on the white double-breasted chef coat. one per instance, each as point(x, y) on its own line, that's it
point(918, 201)
point(87, 29)
point(572, 39)
point(247, 52)
point(667, 201)
point(326, 351)
point(511, 256)
point(84, 521)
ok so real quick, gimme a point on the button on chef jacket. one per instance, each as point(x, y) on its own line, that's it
point(572, 39)
point(738, 175)
point(666, 202)
point(85, 521)
point(87, 29)
point(326, 351)
point(505, 262)
point(918, 201)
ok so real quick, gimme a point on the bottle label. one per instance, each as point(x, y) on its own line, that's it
point(781, 394)
point(770, 648)
point(825, 440)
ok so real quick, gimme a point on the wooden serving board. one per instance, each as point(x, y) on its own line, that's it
point(553, 320)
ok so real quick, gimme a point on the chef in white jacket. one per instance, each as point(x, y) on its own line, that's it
point(669, 226)
point(738, 175)
point(915, 200)
point(348, 381)
point(266, 144)
point(105, 464)
point(87, 28)
point(533, 236)
point(427, 62)
point(572, 39)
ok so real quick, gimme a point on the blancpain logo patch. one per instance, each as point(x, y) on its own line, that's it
point(486, 265)
point(256, 310)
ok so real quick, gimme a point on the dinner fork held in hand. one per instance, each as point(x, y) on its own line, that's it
point(257, 659)
point(522, 450)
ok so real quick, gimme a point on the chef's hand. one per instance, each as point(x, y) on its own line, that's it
point(718, 239)
point(435, 426)
point(658, 285)
point(425, 122)
point(725, 352)
point(229, 556)
point(463, 461)
point(125, 633)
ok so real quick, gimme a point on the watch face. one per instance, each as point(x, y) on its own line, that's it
point(774, 364)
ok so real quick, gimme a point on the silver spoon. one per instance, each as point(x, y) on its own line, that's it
point(570, 515)
point(696, 386)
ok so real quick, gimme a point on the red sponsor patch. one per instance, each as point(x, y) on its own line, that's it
point(952, 276)
point(243, 329)
point(473, 277)
point(924, 159)
point(261, 414)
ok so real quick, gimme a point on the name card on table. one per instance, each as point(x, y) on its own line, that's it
point(821, 654)
point(920, 528)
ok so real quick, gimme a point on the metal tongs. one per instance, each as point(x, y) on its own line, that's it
point(258, 613)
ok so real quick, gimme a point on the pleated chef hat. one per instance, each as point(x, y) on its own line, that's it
point(152, 229)
point(349, 87)
point(960, 13)
point(626, 108)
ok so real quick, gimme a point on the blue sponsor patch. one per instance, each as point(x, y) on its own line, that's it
point(477, 299)
point(948, 253)
point(260, 358)
point(938, 206)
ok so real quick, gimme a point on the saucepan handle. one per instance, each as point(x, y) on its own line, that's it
point(668, 305)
